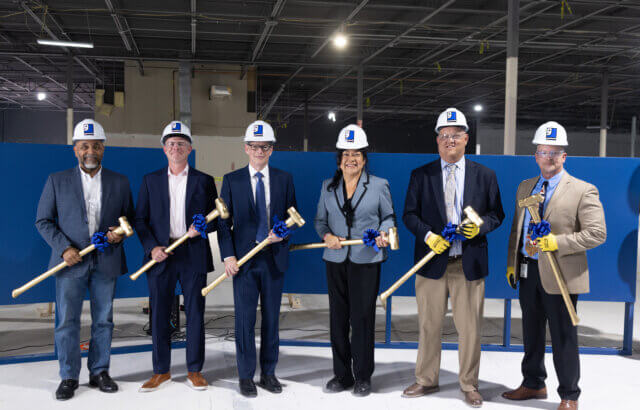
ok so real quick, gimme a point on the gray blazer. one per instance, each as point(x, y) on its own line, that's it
point(373, 210)
point(62, 219)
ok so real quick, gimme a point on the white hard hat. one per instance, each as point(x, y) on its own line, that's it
point(176, 129)
point(352, 137)
point(259, 131)
point(88, 130)
point(551, 133)
point(452, 117)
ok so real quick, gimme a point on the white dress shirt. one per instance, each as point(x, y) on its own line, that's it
point(92, 192)
point(456, 246)
point(177, 202)
point(265, 181)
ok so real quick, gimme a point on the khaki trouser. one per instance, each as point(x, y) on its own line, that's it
point(467, 301)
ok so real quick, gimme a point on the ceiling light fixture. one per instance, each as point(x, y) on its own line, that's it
point(77, 44)
point(477, 107)
point(340, 40)
point(332, 116)
point(41, 96)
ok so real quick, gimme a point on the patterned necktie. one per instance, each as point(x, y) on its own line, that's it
point(530, 248)
point(450, 191)
point(261, 210)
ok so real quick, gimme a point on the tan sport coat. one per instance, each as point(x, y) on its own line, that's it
point(576, 217)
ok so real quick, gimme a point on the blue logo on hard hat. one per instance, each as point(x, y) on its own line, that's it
point(552, 133)
point(350, 137)
point(451, 116)
point(257, 130)
point(88, 129)
point(175, 127)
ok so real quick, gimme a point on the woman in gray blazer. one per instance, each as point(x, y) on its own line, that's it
point(352, 202)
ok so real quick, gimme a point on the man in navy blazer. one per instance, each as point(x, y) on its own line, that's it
point(437, 194)
point(168, 200)
point(256, 195)
point(76, 205)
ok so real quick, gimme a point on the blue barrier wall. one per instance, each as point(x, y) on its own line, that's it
point(612, 265)
point(24, 169)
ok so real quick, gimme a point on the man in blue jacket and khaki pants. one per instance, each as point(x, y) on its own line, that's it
point(437, 194)
point(255, 195)
point(76, 204)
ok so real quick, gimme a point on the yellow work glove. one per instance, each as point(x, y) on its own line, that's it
point(511, 277)
point(437, 243)
point(469, 230)
point(547, 243)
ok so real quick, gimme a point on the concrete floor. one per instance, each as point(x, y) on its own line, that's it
point(607, 381)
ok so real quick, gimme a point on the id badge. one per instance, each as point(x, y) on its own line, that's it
point(523, 270)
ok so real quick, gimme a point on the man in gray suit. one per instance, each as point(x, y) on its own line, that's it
point(76, 208)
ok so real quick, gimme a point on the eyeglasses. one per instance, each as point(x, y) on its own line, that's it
point(455, 137)
point(549, 154)
point(176, 144)
point(263, 148)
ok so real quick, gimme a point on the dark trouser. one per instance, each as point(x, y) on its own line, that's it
point(162, 293)
point(538, 307)
point(353, 289)
point(260, 279)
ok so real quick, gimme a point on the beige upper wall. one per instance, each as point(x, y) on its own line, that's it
point(152, 101)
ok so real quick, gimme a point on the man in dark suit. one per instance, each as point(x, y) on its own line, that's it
point(255, 195)
point(168, 200)
point(76, 205)
point(437, 194)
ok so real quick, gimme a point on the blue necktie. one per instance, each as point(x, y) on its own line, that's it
point(261, 210)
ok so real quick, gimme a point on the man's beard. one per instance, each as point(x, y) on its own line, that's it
point(91, 162)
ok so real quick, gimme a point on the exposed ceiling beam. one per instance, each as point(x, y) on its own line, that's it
point(193, 27)
point(269, 25)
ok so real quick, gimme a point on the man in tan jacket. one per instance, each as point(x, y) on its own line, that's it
point(573, 210)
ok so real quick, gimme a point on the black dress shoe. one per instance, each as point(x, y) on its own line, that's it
point(337, 385)
point(270, 383)
point(248, 388)
point(104, 382)
point(66, 389)
point(362, 388)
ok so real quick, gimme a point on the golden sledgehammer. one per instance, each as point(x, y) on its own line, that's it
point(293, 219)
point(394, 242)
point(472, 216)
point(123, 229)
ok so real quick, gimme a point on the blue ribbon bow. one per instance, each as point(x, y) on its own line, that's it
point(540, 229)
point(369, 238)
point(99, 240)
point(449, 233)
point(200, 224)
point(280, 228)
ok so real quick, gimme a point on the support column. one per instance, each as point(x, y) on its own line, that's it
point(70, 100)
point(306, 123)
point(360, 92)
point(634, 127)
point(184, 90)
point(604, 97)
point(511, 81)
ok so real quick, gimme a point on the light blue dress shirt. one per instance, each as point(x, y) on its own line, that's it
point(551, 187)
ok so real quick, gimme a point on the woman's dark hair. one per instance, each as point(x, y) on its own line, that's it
point(338, 175)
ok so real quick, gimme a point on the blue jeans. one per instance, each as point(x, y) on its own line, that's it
point(70, 292)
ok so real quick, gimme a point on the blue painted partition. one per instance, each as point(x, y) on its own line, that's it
point(24, 169)
point(612, 265)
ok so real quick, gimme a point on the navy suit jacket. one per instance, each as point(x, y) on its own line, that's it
point(424, 211)
point(152, 217)
point(62, 219)
point(238, 195)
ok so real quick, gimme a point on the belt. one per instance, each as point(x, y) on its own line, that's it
point(528, 260)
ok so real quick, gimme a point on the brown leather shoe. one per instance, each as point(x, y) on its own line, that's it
point(418, 390)
point(568, 405)
point(525, 393)
point(473, 398)
point(155, 382)
point(196, 381)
